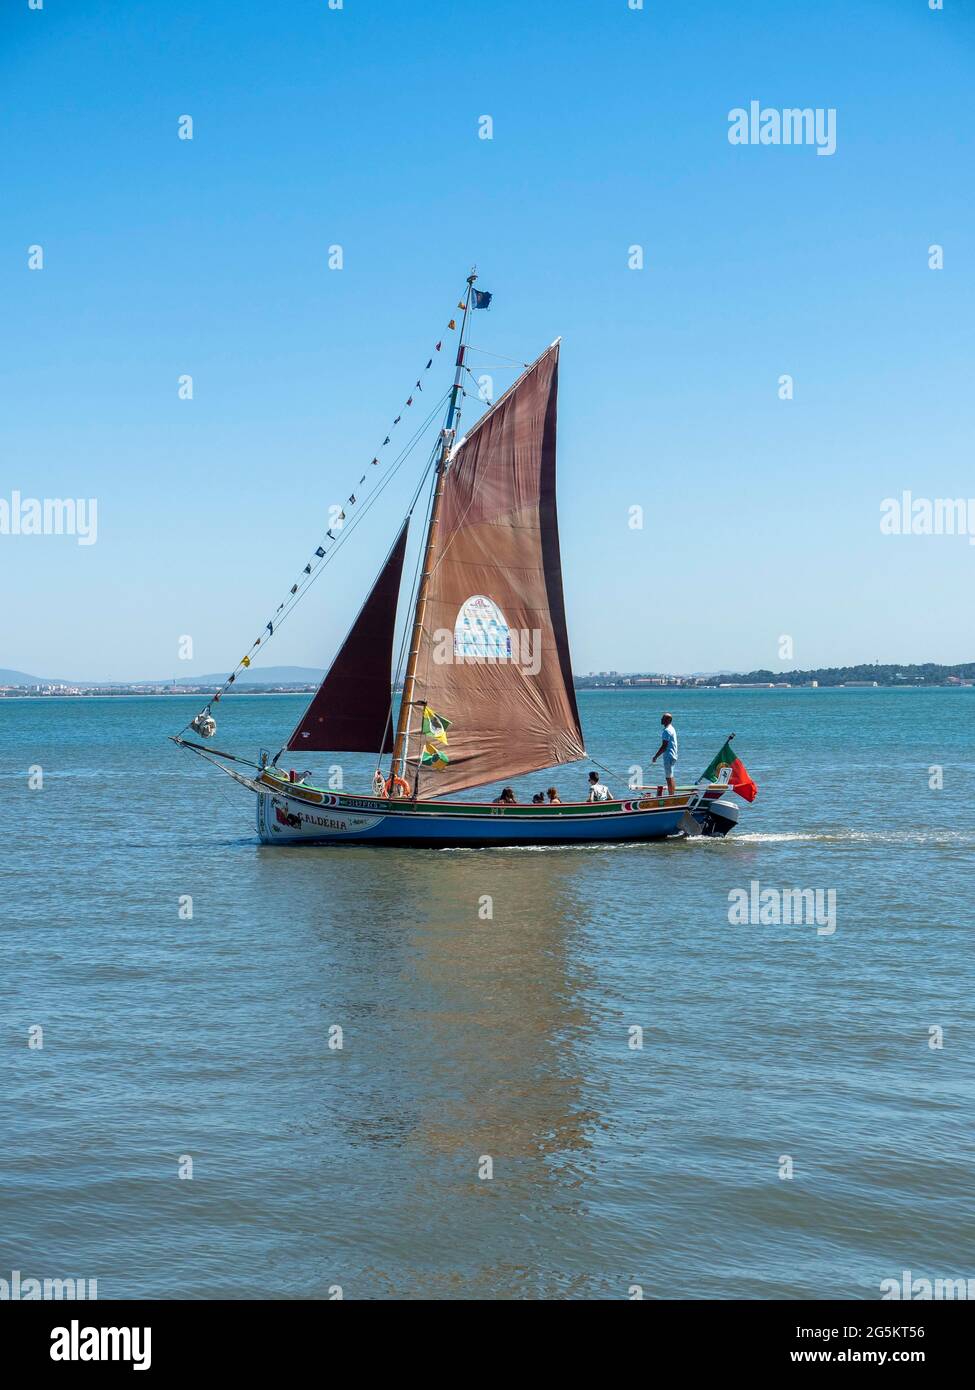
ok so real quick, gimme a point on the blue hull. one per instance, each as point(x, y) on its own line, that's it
point(340, 819)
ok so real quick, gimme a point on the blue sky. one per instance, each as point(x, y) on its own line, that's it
point(359, 127)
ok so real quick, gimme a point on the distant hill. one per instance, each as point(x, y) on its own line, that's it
point(266, 675)
point(925, 673)
point(257, 675)
point(20, 678)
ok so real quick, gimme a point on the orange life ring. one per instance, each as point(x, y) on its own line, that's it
point(396, 786)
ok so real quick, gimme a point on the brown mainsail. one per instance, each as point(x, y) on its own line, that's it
point(494, 655)
point(350, 712)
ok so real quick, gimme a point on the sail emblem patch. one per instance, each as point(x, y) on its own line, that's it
point(481, 632)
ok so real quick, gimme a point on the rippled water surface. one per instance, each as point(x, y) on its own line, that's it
point(466, 1038)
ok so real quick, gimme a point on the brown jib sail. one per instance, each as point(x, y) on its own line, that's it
point(494, 658)
point(350, 712)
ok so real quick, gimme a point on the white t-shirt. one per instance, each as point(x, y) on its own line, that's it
point(599, 792)
point(669, 737)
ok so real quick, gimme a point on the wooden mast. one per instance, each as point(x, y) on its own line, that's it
point(398, 766)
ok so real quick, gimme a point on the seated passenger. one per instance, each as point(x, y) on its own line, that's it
point(598, 791)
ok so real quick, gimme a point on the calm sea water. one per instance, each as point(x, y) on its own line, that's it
point(508, 1038)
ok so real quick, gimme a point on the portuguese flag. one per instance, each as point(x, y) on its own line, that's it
point(728, 767)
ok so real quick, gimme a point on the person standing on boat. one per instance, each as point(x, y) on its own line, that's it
point(668, 750)
point(598, 791)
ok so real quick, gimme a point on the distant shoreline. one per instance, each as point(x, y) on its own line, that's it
point(929, 675)
point(728, 687)
point(138, 694)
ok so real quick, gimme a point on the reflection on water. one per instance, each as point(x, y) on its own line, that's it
point(471, 1056)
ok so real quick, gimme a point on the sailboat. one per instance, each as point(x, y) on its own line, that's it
point(488, 692)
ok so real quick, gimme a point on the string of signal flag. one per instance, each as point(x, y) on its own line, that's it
point(330, 539)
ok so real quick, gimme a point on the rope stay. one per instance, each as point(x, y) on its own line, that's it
point(204, 724)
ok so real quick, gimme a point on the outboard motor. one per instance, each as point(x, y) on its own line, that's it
point(717, 817)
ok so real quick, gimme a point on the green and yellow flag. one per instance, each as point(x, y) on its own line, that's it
point(435, 732)
point(435, 726)
point(434, 757)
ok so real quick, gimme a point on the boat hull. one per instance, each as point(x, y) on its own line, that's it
point(312, 817)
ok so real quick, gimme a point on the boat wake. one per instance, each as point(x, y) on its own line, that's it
point(907, 839)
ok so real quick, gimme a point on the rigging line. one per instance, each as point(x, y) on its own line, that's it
point(612, 772)
point(290, 604)
point(382, 569)
point(454, 532)
point(423, 475)
point(404, 645)
point(407, 626)
point(347, 530)
point(232, 801)
point(500, 355)
point(425, 369)
point(476, 425)
point(409, 513)
point(293, 599)
point(212, 752)
point(449, 438)
point(209, 757)
point(460, 523)
point(470, 394)
point(433, 571)
point(445, 548)
point(413, 588)
point(510, 390)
